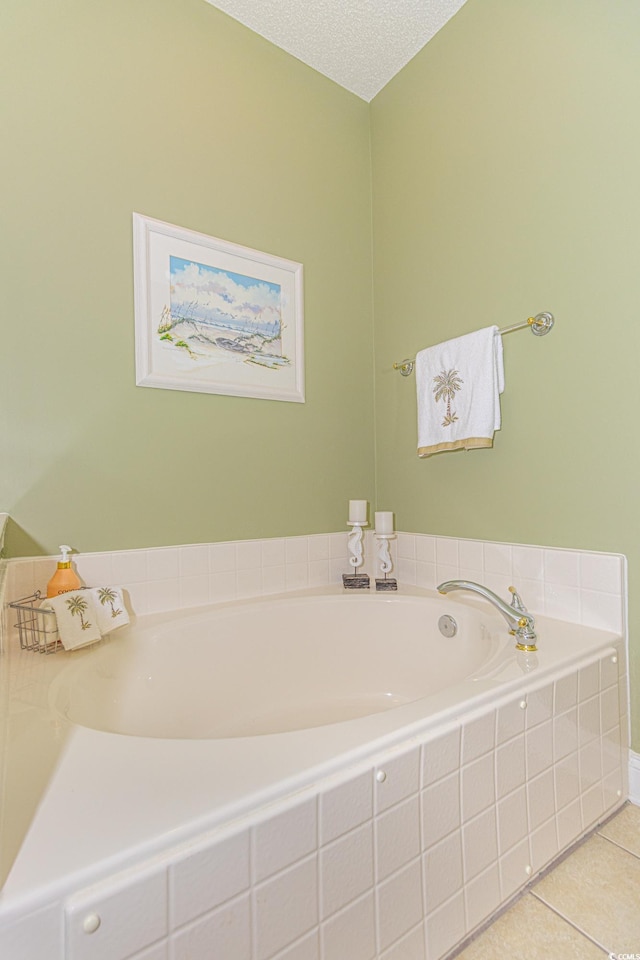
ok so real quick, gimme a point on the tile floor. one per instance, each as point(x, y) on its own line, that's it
point(587, 907)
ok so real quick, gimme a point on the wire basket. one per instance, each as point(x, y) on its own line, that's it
point(37, 628)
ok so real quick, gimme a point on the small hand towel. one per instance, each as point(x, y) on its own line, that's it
point(77, 618)
point(459, 383)
point(110, 609)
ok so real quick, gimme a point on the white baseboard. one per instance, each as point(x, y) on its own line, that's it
point(634, 777)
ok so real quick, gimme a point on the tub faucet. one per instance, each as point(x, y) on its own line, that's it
point(519, 621)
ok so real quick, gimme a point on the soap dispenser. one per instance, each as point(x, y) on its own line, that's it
point(65, 578)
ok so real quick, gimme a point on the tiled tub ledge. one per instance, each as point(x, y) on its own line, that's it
point(402, 849)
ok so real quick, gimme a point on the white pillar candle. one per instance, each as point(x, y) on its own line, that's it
point(384, 522)
point(357, 511)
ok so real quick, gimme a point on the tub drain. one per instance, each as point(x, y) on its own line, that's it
point(447, 626)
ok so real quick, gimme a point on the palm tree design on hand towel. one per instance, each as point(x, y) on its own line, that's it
point(107, 595)
point(446, 385)
point(77, 605)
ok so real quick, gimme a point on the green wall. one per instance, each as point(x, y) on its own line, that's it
point(506, 162)
point(174, 110)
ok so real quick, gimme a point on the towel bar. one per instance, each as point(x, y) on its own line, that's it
point(540, 325)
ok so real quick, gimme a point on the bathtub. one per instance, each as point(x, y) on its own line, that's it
point(229, 734)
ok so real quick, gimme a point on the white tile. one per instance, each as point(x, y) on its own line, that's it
point(567, 780)
point(296, 575)
point(132, 912)
point(497, 559)
point(471, 554)
point(194, 591)
point(401, 779)
point(159, 951)
point(273, 554)
point(95, 569)
point(565, 693)
point(539, 705)
point(397, 836)
point(540, 798)
point(409, 947)
point(590, 764)
point(601, 610)
point(510, 766)
point(346, 806)
point(446, 927)
point(285, 907)
point(339, 545)
point(512, 820)
point(589, 720)
point(513, 869)
point(399, 904)
point(136, 598)
point(222, 557)
point(609, 709)
point(406, 544)
point(479, 843)
point(248, 554)
point(307, 948)
point(426, 575)
point(446, 571)
point(346, 869)
point(194, 560)
point(588, 681)
point(223, 586)
point(562, 568)
point(569, 824)
point(443, 871)
point(601, 572)
point(592, 805)
point(561, 602)
point(608, 671)
point(319, 547)
point(283, 839)
point(613, 789)
point(441, 756)
point(163, 563)
point(440, 809)
point(425, 549)
point(528, 564)
point(318, 573)
point(482, 896)
point(478, 735)
point(407, 571)
point(511, 718)
point(163, 595)
point(351, 933)
point(203, 880)
point(273, 579)
point(296, 550)
point(446, 552)
point(249, 583)
point(478, 786)
point(539, 746)
point(224, 933)
point(544, 845)
point(130, 566)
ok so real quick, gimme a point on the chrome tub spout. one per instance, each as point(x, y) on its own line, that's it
point(520, 622)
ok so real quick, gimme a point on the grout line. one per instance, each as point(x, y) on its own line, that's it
point(617, 844)
point(566, 919)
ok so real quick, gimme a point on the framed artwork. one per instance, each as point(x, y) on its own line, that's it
point(215, 317)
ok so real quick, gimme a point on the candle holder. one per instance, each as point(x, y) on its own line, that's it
point(386, 564)
point(355, 580)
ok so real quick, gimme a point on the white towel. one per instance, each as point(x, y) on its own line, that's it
point(77, 618)
point(110, 609)
point(459, 383)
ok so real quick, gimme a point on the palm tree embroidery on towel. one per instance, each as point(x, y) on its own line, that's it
point(446, 385)
point(77, 605)
point(109, 596)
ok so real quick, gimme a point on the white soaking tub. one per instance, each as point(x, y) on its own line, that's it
point(203, 769)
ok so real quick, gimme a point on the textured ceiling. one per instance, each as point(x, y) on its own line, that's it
point(361, 44)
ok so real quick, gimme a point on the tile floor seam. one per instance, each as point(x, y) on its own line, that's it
point(619, 845)
point(566, 919)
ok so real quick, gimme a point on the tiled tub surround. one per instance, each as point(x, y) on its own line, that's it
point(398, 855)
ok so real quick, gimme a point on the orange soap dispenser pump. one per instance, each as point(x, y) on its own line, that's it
point(65, 578)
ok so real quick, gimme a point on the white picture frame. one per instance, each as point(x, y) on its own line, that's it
point(215, 317)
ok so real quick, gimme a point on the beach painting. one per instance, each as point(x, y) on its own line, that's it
point(215, 317)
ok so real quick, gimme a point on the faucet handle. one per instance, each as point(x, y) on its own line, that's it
point(516, 600)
